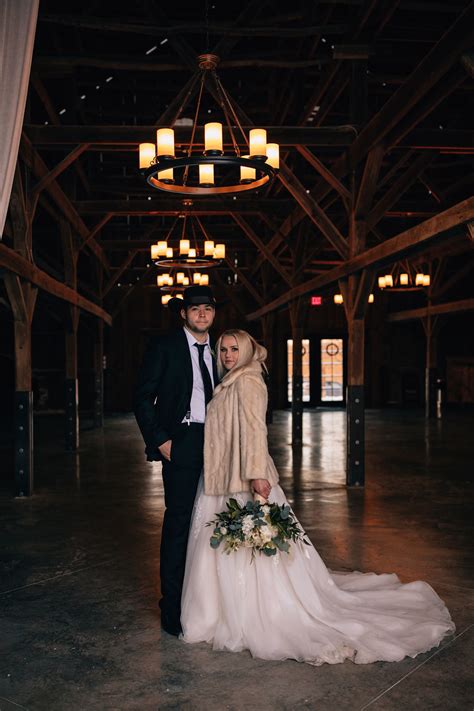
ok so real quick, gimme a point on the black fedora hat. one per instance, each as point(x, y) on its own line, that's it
point(193, 296)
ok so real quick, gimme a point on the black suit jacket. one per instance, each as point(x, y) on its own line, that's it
point(163, 391)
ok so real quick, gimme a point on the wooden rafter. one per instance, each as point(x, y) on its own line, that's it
point(452, 307)
point(315, 213)
point(403, 182)
point(410, 241)
point(104, 136)
point(235, 269)
point(59, 168)
point(20, 266)
point(39, 168)
point(261, 246)
point(324, 172)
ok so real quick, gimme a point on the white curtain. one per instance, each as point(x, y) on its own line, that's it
point(17, 36)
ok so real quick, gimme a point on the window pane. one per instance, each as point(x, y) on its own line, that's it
point(306, 370)
point(332, 376)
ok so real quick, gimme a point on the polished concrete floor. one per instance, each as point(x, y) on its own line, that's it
point(79, 627)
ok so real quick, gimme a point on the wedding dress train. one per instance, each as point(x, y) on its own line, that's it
point(290, 606)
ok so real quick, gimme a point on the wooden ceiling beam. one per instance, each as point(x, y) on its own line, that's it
point(131, 136)
point(38, 167)
point(59, 168)
point(432, 68)
point(128, 137)
point(169, 206)
point(398, 188)
point(53, 115)
point(324, 172)
point(429, 71)
point(315, 213)
point(246, 283)
point(20, 266)
point(262, 248)
point(193, 28)
point(452, 307)
point(447, 284)
point(118, 273)
point(369, 181)
point(409, 242)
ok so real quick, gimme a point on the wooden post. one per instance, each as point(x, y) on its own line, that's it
point(355, 294)
point(267, 325)
point(99, 375)
point(297, 390)
point(71, 384)
point(430, 325)
point(22, 298)
point(355, 462)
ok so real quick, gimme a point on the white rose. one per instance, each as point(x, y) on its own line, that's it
point(223, 530)
point(247, 525)
point(266, 534)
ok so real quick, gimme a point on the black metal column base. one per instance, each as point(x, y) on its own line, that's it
point(23, 443)
point(72, 415)
point(297, 412)
point(431, 383)
point(99, 400)
point(355, 465)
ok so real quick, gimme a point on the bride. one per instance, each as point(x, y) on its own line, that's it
point(288, 606)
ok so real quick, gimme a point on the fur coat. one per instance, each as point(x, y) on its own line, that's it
point(235, 439)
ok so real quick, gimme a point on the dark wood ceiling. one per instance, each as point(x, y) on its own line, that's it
point(346, 86)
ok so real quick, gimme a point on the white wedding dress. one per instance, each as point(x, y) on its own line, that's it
point(290, 606)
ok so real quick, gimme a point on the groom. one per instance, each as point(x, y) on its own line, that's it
point(175, 383)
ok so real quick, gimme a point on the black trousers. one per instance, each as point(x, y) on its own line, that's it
point(180, 479)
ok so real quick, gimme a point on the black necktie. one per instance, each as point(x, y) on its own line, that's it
point(206, 378)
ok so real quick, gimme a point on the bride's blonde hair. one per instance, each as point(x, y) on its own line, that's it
point(249, 351)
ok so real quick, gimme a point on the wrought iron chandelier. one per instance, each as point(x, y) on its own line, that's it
point(409, 280)
point(187, 252)
point(212, 172)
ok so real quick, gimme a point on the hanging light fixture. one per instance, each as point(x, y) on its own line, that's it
point(338, 299)
point(211, 172)
point(408, 280)
point(183, 254)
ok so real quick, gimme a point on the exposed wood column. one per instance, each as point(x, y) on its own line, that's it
point(22, 297)
point(297, 390)
point(356, 293)
point(99, 374)
point(354, 290)
point(71, 385)
point(431, 327)
point(267, 324)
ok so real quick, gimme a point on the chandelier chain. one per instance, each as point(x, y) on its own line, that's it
point(186, 99)
point(232, 110)
point(206, 5)
point(193, 132)
point(224, 106)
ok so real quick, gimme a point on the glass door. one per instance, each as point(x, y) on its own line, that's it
point(332, 370)
point(306, 370)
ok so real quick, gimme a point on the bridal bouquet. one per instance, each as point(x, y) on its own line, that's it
point(266, 528)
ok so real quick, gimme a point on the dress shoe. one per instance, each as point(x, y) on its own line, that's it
point(170, 625)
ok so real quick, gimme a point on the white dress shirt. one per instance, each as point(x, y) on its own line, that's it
point(198, 401)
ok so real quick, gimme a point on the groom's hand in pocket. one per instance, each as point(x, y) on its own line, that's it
point(165, 450)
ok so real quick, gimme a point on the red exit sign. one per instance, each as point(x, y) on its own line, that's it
point(316, 301)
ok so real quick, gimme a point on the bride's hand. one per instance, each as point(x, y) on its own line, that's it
point(262, 487)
